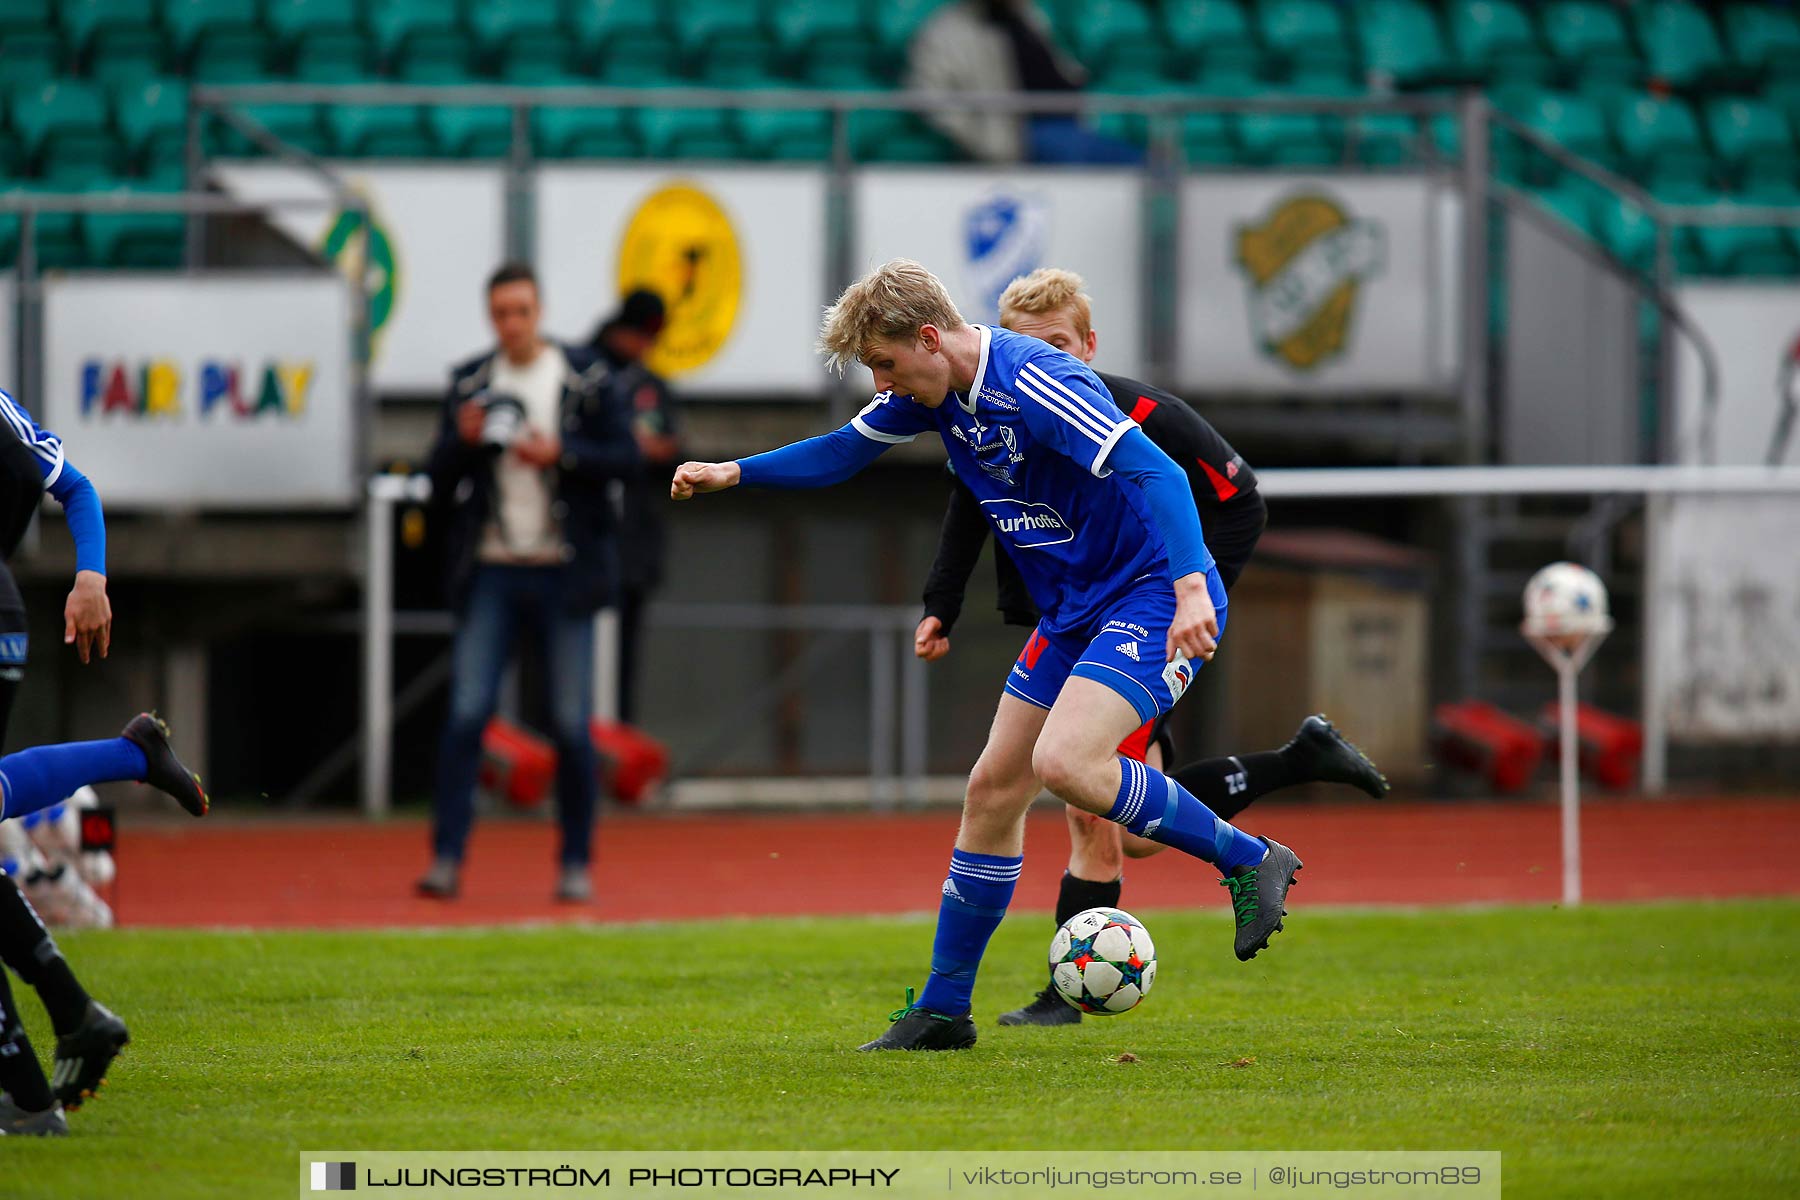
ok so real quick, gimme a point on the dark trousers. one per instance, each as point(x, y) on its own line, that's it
point(502, 600)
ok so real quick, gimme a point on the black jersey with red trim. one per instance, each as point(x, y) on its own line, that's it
point(1217, 473)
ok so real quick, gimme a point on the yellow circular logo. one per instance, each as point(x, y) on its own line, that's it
point(680, 245)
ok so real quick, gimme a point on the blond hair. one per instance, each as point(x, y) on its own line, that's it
point(1048, 290)
point(889, 304)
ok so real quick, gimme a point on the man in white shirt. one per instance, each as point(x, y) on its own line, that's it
point(530, 441)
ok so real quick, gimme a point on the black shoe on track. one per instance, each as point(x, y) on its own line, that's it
point(916, 1028)
point(165, 773)
point(1046, 1008)
point(83, 1055)
point(1258, 896)
point(1325, 754)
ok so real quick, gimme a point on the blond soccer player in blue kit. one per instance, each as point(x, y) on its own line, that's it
point(1103, 528)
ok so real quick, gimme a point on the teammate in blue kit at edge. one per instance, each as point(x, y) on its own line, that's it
point(1103, 529)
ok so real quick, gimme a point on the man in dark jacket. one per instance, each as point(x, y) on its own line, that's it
point(622, 342)
point(529, 446)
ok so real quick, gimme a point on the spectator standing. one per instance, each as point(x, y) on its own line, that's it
point(530, 443)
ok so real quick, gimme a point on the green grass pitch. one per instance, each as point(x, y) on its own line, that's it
point(1615, 1051)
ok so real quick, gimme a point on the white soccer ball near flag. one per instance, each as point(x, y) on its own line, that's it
point(1565, 603)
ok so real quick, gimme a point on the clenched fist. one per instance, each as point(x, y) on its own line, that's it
point(692, 478)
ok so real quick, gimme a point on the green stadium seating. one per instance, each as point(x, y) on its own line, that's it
point(297, 124)
point(625, 42)
point(31, 56)
point(1115, 38)
point(895, 22)
point(24, 16)
point(151, 116)
point(1746, 250)
point(1661, 142)
point(1680, 45)
point(1764, 38)
point(1308, 36)
point(1572, 205)
point(396, 22)
point(802, 135)
point(1382, 139)
point(724, 42)
point(134, 240)
point(523, 38)
point(897, 137)
point(687, 133)
point(64, 130)
point(57, 236)
point(435, 56)
point(469, 130)
point(1497, 42)
point(323, 40)
point(814, 36)
point(188, 22)
point(1210, 37)
point(1289, 139)
point(1400, 39)
point(376, 131)
point(1207, 139)
point(583, 133)
point(12, 155)
point(220, 41)
point(1752, 139)
point(1590, 43)
point(116, 39)
point(1626, 230)
point(1574, 121)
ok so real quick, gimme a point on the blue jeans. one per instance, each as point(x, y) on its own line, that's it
point(501, 599)
point(1065, 140)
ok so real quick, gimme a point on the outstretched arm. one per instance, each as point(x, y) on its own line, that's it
point(816, 462)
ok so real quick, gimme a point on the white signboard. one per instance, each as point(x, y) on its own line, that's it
point(979, 229)
point(439, 231)
point(1754, 330)
point(1332, 284)
point(738, 257)
point(193, 392)
point(1728, 630)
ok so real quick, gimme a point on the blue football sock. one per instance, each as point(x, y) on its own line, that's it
point(976, 894)
point(44, 775)
point(1152, 805)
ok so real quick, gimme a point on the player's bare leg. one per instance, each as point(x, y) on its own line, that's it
point(1077, 758)
point(983, 869)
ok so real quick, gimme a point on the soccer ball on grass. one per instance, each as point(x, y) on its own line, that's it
point(1103, 961)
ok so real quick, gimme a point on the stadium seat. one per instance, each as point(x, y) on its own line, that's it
point(63, 128)
point(1572, 205)
point(30, 56)
point(812, 36)
point(583, 133)
point(1382, 139)
point(431, 29)
point(435, 56)
point(687, 133)
point(323, 40)
point(1208, 139)
point(1573, 121)
point(134, 240)
point(1680, 45)
point(1496, 42)
point(1764, 38)
point(12, 156)
point(1746, 250)
point(802, 135)
point(218, 39)
point(1400, 40)
point(1590, 43)
point(520, 37)
point(1661, 141)
point(895, 22)
point(1308, 37)
point(623, 41)
point(24, 16)
point(1115, 38)
point(889, 136)
point(296, 124)
point(723, 41)
point(376, 131)
point(57, 235)
point(117, 40)
point(1289, 139)
point(1210, 36)
point(469, 130)
point(151, 116)
point(1752, 139)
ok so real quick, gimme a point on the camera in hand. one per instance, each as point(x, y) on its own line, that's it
point(503, 418)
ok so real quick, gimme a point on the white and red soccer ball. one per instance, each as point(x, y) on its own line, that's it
point(1102, 961)
point(1565, 603)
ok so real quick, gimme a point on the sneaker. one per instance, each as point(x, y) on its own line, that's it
point(1257, 896)
point(16, 1122)
point(165, 773)
point(1046, 1008)
point(915, 1028)
point(574, 887)
point(83, 1055)
point(1325, 754)
point(441, 881)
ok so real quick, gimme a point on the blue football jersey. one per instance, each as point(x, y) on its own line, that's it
point(1031, 439)
point(45, 446)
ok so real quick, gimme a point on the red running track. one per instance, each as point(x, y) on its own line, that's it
point(348, 874)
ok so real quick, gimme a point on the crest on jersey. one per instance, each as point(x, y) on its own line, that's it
point(1005, 235)
point(1305, 264)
